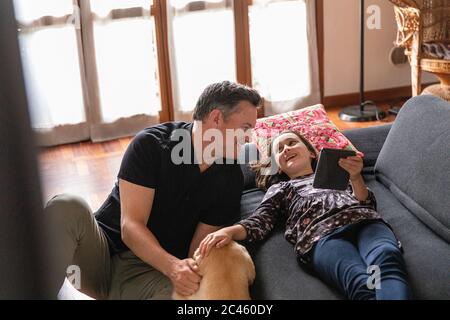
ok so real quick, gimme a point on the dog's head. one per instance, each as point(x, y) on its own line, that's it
point(230, 257)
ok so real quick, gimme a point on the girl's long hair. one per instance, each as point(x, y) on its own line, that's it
point(264, 180)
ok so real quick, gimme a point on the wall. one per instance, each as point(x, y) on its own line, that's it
point(341, 50)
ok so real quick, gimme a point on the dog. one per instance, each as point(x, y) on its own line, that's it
point(226, 274)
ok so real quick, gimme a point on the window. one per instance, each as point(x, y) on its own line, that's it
point(99, 69)
point(126, 65)
point(203, 47)
point(279, 54)
point(86, 76)
point(50, 62)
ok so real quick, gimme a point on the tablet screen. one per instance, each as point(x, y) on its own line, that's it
point(329, 175)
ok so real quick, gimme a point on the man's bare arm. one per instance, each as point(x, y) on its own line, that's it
point(136, 204)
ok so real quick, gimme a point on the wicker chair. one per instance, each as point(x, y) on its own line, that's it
point(424, 32)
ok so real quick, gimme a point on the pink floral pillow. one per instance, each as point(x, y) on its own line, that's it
point(311, 122)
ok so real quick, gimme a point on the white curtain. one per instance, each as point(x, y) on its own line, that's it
point(283, 42)
point(53, 70)
point(202, 49)
point(120, 50)
point(283, 45)
point(90, 68)
point(91, 65)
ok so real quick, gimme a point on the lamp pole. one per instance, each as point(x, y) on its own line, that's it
point(362, 26)
point(366, 110)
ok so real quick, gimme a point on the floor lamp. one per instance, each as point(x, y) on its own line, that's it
point(366, 110)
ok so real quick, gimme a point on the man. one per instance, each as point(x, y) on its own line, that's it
point(140, 242)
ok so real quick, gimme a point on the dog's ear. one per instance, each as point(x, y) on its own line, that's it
point(249, 266)
point(197, 256)
point(196, 252)
point(200, 261)
point(251, 273)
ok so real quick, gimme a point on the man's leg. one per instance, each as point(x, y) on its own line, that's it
point(133, 279)
point(338, 263)
point(78, 241)
point(378, 247)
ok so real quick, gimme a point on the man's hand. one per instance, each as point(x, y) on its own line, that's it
point(353, 165)
point(184, 277)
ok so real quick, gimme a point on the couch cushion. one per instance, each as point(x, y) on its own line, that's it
point(414, 162)
point(369, 141)
point(427, 256)
point(279, 276)
point(249, 201)
point(249, 153)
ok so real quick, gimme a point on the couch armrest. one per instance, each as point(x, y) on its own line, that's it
point(369, 141)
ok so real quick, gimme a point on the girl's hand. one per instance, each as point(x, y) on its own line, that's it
point(218, 239)
point(353, 165)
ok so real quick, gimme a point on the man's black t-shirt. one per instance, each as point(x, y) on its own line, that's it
point(183, 195)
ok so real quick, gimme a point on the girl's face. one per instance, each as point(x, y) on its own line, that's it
point(292, 155)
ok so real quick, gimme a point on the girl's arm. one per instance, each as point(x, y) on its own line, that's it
point(255, 227)
point(221, 238)
point(354, 166)
point(264, 218)
point(360, 190)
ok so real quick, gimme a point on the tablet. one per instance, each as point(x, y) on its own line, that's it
point(329, 175)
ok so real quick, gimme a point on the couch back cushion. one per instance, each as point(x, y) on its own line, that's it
point(249, 153)
point(414, 162)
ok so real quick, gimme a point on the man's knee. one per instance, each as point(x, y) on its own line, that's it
point(67, 209)
point(141, 288)
point(134, 279)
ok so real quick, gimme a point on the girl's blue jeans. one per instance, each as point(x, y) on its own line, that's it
point(363, 261)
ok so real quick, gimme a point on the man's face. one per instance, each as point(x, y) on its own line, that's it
point(237, 127)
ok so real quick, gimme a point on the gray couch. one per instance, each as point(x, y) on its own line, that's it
point(407, 165)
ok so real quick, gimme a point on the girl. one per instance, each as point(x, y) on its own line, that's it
point(337, 234)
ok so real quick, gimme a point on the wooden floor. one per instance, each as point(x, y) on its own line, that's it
point(89, 169)
point(86, 169)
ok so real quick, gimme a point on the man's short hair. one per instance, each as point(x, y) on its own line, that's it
point(224, 96)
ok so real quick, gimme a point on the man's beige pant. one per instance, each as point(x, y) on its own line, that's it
point(79, 241)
